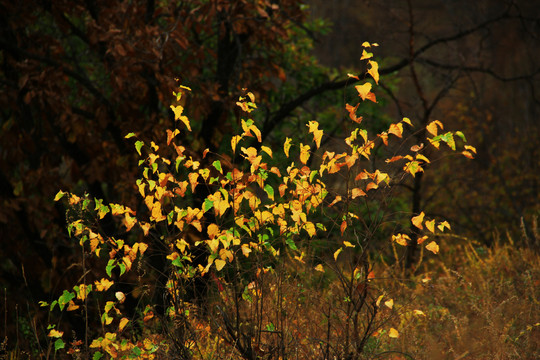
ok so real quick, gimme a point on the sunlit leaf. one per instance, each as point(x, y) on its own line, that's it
point(417, 220)
point(304, 153)
point(55, 333)
point(396, 129)
point(319, 268)
point(401, 239)
point(389, 303)
point(122, 324)
point(59, 195)
point(336, 253)
point(374, 70)
point(120, 296)
point(287, 146)
point(356, 192)
point(433, 247)
point(363, 90)
point(432, 127)
point(443, 225)
point(219, 264)
point(393, 333)
point(430, 225)
point(348, 244)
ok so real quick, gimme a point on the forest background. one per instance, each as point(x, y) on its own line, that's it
point(76, 77)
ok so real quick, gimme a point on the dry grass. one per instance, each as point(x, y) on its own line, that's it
point(481, 303)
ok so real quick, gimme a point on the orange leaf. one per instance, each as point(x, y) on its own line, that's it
point(356, 192)
point(417, 148)
point(343, 226)
point(396, 129)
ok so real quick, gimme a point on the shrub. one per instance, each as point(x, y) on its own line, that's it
point(250, 254)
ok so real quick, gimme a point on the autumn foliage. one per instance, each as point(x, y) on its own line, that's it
point(234, 231)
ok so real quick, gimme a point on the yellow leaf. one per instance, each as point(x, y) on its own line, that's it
point(122, 324)
point(336, 254)
point(417, 220)
point(245, 250)
point(267, 150)
point(310, 228)
point(443, 225)
point(219, 264)
point(103, 284)
point(287, 146)
point(347, 244)
point(304, 153)
point(393, 333)
point(234, 141)
point(374, 70)
point(433, 247)
point(55, 333)
point(389, 303)
point(366, 55)
point(430, 225)
point(422, 157)
point(319, 268)
point(178, 110)
point(213, 244)
point(419, 312)
point(401, 239)
point(363, 90)
point(432, 127)
point(317, 134)
point(379, 299)
point(226, 254)
point(407, 121)
point(396, 129)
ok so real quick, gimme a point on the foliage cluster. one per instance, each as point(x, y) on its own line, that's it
point(242, 255)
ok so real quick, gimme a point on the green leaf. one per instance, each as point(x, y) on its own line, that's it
point(461, 135)
point(270, 191)
point(122, 267)
point(110, 266)
point(65, 298)
point(53, 304)
point(270, 327)
point(59, 344)
point(208, 204)
point(130, 135)
point(97, 355)
point(138, 145)
point(217, 165)
point(290, 242)
point(135, 352)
